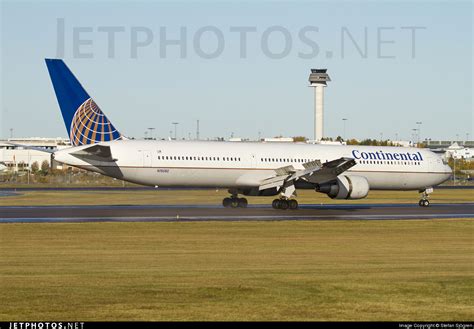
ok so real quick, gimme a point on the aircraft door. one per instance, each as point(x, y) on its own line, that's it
point(146, 158)
point(253, 160)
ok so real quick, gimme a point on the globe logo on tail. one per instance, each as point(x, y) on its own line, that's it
point(90, 125)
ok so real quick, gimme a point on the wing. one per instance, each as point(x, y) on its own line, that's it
point(313, 172)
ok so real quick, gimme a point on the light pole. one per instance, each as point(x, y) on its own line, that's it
point(151, 132)
point(344, 122)
point(454, 169)
point(175, 125)
point(413, 136)
point(28, 167)
point(197, 130)
point(419, 130)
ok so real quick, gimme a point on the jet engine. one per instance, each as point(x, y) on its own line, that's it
point(346, 187)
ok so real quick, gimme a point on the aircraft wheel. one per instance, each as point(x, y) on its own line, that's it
point(293, 204)
point(424, 203)
point(276, 204)
point(284, 204)
point(234, 202)
point(243, 203)
point(226, 202)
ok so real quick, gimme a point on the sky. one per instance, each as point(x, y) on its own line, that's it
point(241, 67)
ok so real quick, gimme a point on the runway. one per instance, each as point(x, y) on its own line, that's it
point(196, 213)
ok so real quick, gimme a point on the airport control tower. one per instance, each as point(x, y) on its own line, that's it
point(318, 80)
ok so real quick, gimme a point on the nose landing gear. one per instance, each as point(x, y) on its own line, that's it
point(424, 202)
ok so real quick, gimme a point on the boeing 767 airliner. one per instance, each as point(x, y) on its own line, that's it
point(244, 168)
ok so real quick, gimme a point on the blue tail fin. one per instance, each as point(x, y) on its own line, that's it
point(85, 122)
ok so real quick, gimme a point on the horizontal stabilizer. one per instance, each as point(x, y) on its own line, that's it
point(95, 153)
point(33, 148)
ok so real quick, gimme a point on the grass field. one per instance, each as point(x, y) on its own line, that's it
point(214, 197)
point(321, 270)
point(285, 270)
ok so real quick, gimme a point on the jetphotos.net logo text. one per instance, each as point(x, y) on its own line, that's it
point(46, 325)
point(211, 42)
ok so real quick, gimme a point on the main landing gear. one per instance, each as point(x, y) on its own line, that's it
point(284, 204)
point(424, 202)
point(235, 202)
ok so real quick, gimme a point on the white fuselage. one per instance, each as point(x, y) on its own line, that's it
point(246, 164)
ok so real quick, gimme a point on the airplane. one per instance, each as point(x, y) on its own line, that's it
point(244, 168)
